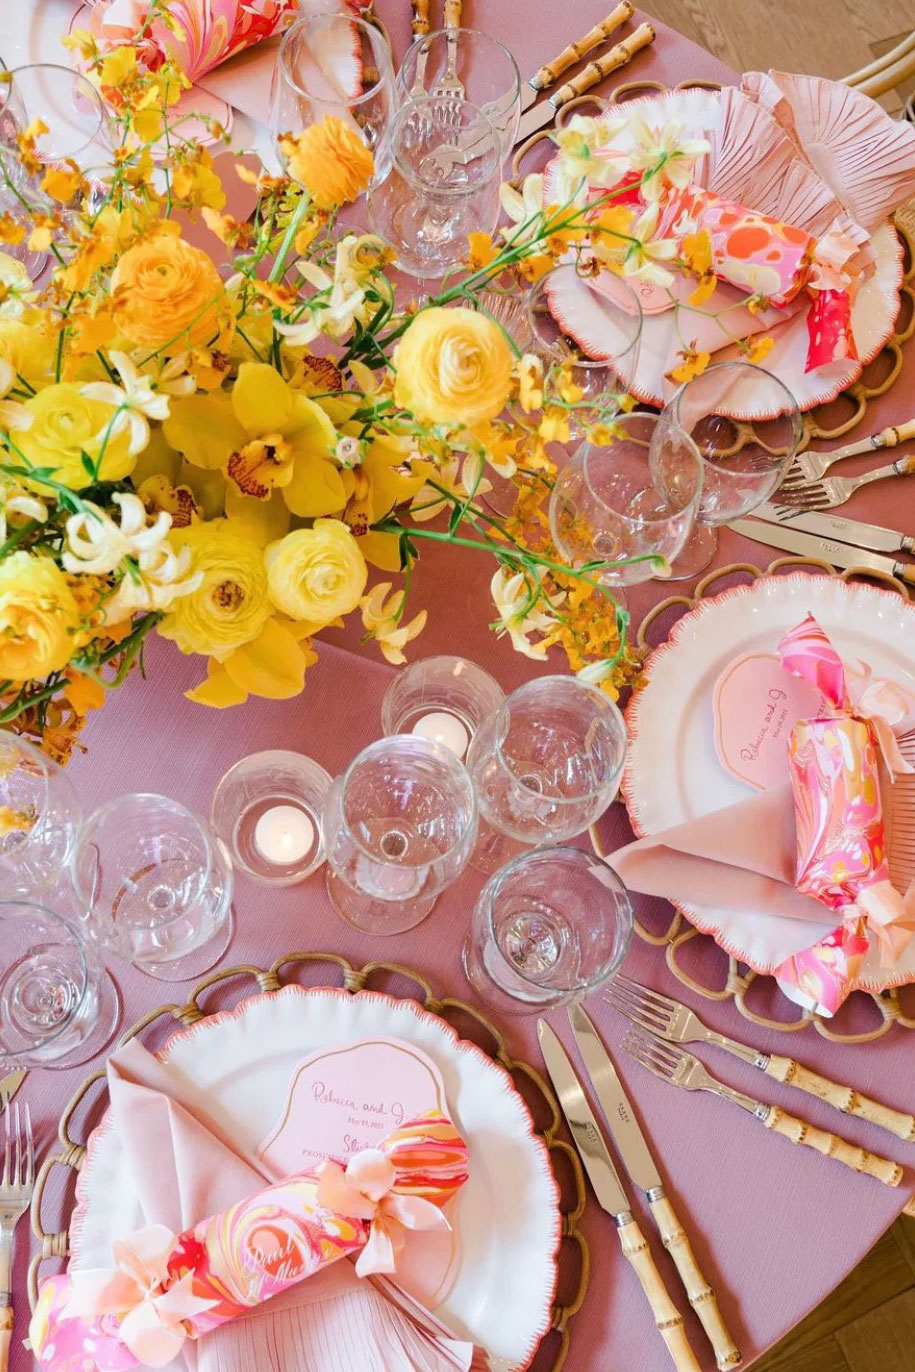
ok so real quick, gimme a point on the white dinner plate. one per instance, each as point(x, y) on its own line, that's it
point(672, 771)
point(508, 1218)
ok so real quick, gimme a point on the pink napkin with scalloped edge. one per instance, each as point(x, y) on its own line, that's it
point(184, 1166)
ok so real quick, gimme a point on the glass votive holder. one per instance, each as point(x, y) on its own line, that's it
point(39, 817)
point(442, 698)
point(267, 811)
point(548, 929)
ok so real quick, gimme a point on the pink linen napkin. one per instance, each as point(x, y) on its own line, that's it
point(184, 1166)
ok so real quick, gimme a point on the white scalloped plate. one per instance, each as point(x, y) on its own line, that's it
point(672, 770)
point(508, 1218)
point(874, 311)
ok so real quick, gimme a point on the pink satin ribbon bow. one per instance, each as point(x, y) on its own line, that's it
point(152, 1318)
point(364, 1190)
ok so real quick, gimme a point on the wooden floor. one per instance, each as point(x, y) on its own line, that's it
point(868, 1324)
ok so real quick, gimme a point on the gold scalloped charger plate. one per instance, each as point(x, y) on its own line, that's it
point(672, 769)
point(242, 1060)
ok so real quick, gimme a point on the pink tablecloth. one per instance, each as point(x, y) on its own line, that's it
point(775, 1227)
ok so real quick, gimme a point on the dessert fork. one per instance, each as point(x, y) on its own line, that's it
point(835, 490)
point(448, 90)
point(16, 1183)
point(669, 1019)
point(680, 1068)
point(806, 467)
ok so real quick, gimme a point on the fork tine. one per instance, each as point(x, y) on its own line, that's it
point(645, 992)
point(636, 1015)
point(644, 1011)
point(29, 1149)
point(5, 1179)
point(18, 1179)
point(633, 1047)
point(663, 1054)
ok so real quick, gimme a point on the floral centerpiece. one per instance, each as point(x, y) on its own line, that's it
point(239, 459)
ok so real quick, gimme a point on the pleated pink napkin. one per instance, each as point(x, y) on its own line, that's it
point(185, 1167)
point(740, 858)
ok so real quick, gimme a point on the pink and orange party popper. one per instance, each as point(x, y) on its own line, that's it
point(165, 1288)
point(839, 817)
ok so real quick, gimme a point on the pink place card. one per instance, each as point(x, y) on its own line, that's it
point(342, 1100)
point(653, 299)
point(756, 705)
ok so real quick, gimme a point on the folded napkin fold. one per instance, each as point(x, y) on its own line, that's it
point(186, 1167)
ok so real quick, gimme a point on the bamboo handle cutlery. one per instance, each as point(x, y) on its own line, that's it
point(550, 72)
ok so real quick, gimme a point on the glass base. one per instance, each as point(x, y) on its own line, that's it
point(104, 1030)
point(493, 995)
point(375, 916)
point(494, 849)
point(697, 553)
point(198, 961)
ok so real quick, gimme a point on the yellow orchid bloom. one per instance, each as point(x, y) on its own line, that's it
point(382, 618)
point(272, 665)
point(265, 436)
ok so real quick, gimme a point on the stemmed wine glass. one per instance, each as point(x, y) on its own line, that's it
point(629, 501)
point(744, 461)
point(334, 65)
point(157, 884)
point(58, 1005)
point(485, 68)
point(549, 928)
point(39, 816)
point(598, 379)
point(545, 765)
point(399, 826)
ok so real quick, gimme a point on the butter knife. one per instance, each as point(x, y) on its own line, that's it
point(611, 1197)
point(873, 536)
point(642, 1168)
point(617, 56)
point(791, 540)
point(551, 71)
point(10, 1084)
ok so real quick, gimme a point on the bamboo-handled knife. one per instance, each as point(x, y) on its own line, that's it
point(853, 531)
point(551, 71)
point(612, 1198)
point(791, 540)
point(617, 56)
point(643, 1170)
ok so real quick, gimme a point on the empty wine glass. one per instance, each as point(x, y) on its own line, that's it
point(597, 381)
point(485, 67)
point(545, 765)
point(429, 202)
point(334, 65)
point(39, 816)
point(549, 928)
point(744, 460)
point(442, 698)
point(58, 1005)
point(157, 883)
point(399, 826)
point(629, 501)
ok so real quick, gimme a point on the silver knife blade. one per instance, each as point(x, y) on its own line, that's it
point(535, 118)
point(585, 1129)
point(808, 545)
point(614, 1102)
point(873, 536)
point(10, 1084)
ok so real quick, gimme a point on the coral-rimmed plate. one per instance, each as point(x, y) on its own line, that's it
point(752, 161)
point(672, 771)
point(508, 1218)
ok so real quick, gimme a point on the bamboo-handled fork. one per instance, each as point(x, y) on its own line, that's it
point(806, 467)
point(16, 1182)
point(675, 1065)
point(671, 1020)
point(835, 490)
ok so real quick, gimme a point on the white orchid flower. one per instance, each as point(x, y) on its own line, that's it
point(20, 504)
point(137, 399)
point(643, 254)
point(344, 301)
point(16, 289)
point(380, 612)
point(586, 157)
point(96, 545)
point(667, 157)
point(522, 206)
point(161, 577)
point(511, 594)
point(460, 475)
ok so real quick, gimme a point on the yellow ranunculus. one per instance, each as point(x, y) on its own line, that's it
point(330, 160)
point(230, 607)
point(65, 426)
point(28, 345)
point(167, 294)
point(316, 574)
point(39, 618)
point(454, 366)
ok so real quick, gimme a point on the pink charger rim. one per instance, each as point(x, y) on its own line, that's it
point(628, 785)
point(460, 1045)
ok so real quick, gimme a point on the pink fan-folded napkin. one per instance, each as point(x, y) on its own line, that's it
point(813, 845)
point(182, 1275)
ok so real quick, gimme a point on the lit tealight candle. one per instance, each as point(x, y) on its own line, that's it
point(284, 834)
point(445, 728)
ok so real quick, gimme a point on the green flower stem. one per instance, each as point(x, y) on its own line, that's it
point(295, 223)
